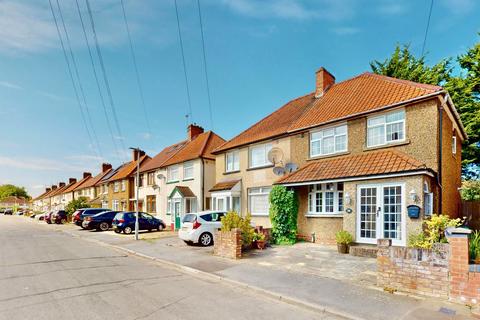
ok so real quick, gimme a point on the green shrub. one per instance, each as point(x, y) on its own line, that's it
point(470, 190)
point(283, 215)
point(258, 236)
point(343, 237)
point(75, 204)
point(433, 231)
point(232, 221)
point(474, 245)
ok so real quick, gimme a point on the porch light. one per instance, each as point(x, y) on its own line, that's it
point(413, 195)
point(348, 199)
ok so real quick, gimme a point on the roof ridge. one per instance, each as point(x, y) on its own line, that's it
point(176, 151)
point(421, 85)
point(209, 132)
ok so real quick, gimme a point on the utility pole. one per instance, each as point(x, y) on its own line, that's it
point(136, 195)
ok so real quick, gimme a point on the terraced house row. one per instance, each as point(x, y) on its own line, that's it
point(372, 155)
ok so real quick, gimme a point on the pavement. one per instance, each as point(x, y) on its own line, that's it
point(46, 273)
point(309, 276)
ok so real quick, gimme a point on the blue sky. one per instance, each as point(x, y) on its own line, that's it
point(260, 54)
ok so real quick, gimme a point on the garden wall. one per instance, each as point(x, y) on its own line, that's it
point(228, 244)
point(443, 271)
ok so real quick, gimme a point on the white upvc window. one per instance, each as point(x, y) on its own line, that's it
point(188, 170)
point(169, 206)
point(172, 173)
point(427, 200)
point(454, 144)
point(258, 203)
point(259, 155)
point(325, 198)
point(123, 185)
point(232, 161)
point(115, 205)
point(328, 141)
point(386, 128)
point(116, 186)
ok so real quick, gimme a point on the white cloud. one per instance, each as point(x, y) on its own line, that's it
point(32, 163)
point(458, 7)
point(392, 8)
point(345, 31)
point(10, 85)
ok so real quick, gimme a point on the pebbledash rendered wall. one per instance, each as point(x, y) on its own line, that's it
point(443, 271)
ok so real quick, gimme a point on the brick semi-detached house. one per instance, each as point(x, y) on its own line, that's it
point(364, 155)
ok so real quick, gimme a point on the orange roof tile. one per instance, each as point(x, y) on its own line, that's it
point(186, 192)
point(157, 161)
point(47, 194)
point(92, 182)
point(275, 124)
point(128, 169)
point(226, 185)
point(358, 165)
point(200, 147)
point(76, 185)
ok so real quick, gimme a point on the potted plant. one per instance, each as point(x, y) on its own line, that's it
point(259, 239)
point(343, 240)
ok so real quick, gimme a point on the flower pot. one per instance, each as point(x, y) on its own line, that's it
point(260, 244)
point(342, 248)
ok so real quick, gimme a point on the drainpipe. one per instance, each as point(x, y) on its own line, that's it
point(203, 183)
point(440, 156)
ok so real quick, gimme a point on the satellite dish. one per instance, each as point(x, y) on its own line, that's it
point(291, 167)
point(275, 155)
point(279, 171)
point(160, 176)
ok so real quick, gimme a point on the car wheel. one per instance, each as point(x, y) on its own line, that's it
point(104, 226)
point(117, 231)
point(206, 239)
point(160, 227)
point(63, 221)
point(127, 230)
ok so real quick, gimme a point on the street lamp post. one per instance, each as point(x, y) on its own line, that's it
point(136, 195)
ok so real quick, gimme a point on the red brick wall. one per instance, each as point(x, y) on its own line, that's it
point(228, 244)
point(464, 285)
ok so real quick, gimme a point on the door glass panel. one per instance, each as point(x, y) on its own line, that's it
point(368, 209)
point(392, 212)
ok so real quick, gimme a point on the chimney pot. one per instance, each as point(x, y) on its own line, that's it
point(54, 187)
point(106, 167)
point(86, 175)
point(61, 184)
point(47, 189)
point(324, 80)
point(72, 180)
point(193, 131)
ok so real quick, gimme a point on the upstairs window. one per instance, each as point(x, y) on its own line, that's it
point(123, 185)
point(172, 173)
point(387, 128)
point(187, 170)
point(232, 161)
point(328, 141)
point(140, 181)
point(259, 155)
point(151, 178)
point(116, 186)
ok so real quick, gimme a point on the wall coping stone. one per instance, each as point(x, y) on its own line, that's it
point(452, 232)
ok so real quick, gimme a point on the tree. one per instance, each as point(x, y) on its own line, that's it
point(76, 204)
point(8, 190)
point(463, 88)
point(283, 215)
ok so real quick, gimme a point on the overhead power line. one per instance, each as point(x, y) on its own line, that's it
point(205, 65)
point(426, 29)
point(102, 99)
point(75, 68)
point(104, 72)
point(70, 73)
point(189, 112)
point(137, 74)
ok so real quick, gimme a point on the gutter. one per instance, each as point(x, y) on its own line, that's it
point(203, 183)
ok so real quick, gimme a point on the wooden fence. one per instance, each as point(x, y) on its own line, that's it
point(471, 210)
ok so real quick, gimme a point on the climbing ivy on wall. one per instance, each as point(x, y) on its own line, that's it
point(283, 215)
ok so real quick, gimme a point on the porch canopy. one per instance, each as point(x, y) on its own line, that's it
point(226, 195)
point(369, 165)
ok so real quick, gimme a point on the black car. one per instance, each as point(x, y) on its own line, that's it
point(59, 217)
point(8, 211)
point(101, 221)
point(125, 221)
point(80, 214)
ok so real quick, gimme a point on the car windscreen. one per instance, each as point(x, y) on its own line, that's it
point(190, 218)
point(119, 216)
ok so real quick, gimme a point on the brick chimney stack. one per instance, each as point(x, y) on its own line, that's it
point(324, 80)
point(61, 184)
point(47, 189)
point(106, 167)
point(72, 180)
point(54, 187)
point(86, 175)
point(193, 131)
point(136, 154)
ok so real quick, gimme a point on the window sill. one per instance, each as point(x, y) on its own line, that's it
point(188, 179)
point(333, 215)
point(174, 181)
point(329, 155)
point(260, 215)
point(262, 167)
point(387, 145)
point(231, 172)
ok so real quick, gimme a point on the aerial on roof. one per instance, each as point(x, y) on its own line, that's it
point(199, 147)
point(364, 93)
point(127, 169)
point(358, 165)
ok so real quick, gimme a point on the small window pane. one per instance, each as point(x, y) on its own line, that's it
point(340, 143)
point(376, 121)
point(376, 136)
point(328, 145)
point(395, 116)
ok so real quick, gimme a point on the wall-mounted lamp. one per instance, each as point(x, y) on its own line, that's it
point(348, 199)
point(413, 195)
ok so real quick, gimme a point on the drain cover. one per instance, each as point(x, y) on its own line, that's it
point(447, 311)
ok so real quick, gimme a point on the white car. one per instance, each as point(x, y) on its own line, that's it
point(200, 227)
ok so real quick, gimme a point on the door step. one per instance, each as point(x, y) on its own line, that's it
point(364, 251)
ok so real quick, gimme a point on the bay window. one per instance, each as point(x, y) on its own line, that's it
point(258, 203)
point(325, 198)
point(187, 170)
point(386, 128)
point(259, 155)
point(232, 161)
point(172, 173)
point(328, 141)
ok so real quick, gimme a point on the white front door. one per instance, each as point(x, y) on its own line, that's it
point(381, 213)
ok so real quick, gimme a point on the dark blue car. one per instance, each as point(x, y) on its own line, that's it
point(101, 221)
point(80, 214)
point(125, 221)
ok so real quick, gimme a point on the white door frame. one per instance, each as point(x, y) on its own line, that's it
point(380, 218)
